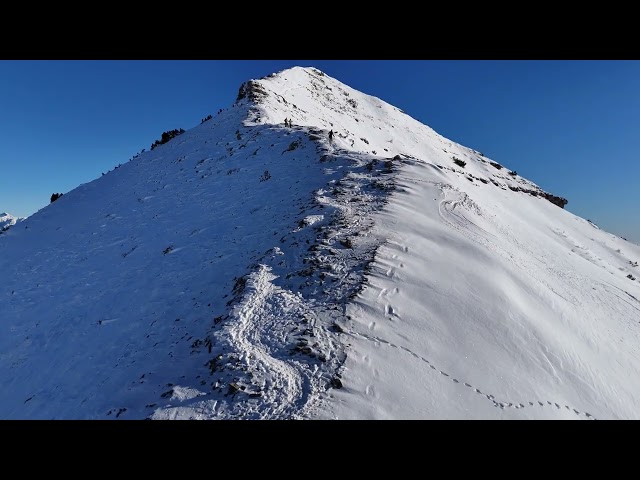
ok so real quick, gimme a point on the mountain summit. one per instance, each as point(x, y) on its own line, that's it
point(350, 263)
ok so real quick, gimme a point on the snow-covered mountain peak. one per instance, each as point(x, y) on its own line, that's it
point(364, 123)
point(248, 269)
point(311, 98)
point(7, 220)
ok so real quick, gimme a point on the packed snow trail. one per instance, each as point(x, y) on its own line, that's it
point(264, 311)
point(276, 354)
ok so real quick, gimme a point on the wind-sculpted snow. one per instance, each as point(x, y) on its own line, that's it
point(250, 270)
point(504, 312)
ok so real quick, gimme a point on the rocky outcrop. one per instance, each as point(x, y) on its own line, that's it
point(559, 201)
point(252, 90)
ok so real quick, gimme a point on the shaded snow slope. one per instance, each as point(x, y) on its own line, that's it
point(130, 298)
point(250, 270)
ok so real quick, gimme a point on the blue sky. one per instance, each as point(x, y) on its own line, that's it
point(572, 127)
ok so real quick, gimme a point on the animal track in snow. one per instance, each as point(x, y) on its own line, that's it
point(491, 398)
point(386, 293)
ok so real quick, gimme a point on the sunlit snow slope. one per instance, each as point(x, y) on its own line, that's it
point(246, 269)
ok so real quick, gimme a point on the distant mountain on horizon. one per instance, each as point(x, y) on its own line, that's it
point(7, 220)
point(349, 264)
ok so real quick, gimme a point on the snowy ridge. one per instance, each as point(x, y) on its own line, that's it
point(250, 270)
point(277, 349)
point(364, 123)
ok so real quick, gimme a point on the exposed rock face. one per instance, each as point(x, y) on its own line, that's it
point(251, 89)
point(559, 201)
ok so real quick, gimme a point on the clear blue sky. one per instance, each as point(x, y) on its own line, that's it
point(572, 127)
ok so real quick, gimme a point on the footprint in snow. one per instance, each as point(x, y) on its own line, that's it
point(370, 391)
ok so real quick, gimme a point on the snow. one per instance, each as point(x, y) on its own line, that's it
point(513, 317)
point(250, 270)
point(7, 220)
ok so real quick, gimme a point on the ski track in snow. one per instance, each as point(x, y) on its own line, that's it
point(451, 211)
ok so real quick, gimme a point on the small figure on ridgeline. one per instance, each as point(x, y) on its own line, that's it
point(286, 122)
point(331, 135)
